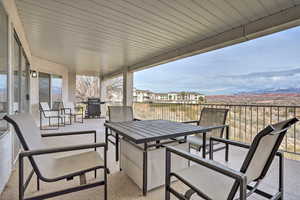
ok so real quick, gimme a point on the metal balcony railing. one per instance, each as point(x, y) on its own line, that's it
point(245, 121)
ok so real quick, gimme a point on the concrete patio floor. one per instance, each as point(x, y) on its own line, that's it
point(120, 187)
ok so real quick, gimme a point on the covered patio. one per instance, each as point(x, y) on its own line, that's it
point(47, 39)
point(121, 187)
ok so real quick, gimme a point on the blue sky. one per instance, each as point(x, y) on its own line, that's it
point(264, 63)
point(2, 81)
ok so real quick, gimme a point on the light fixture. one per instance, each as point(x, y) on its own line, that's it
point(33, 74)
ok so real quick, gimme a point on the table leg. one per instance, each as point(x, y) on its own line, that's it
point(226, 145)
point(204, 145)
point(106, 136)
point(117, 147)
point(145, 169)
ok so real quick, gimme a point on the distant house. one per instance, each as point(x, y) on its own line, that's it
point(142, 95)
point(160, 97)
point(186, 97)
point(171, 97)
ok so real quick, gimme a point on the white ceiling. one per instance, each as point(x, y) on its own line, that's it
point(92, 36)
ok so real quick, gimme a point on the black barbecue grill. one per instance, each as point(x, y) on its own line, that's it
point(93, 108)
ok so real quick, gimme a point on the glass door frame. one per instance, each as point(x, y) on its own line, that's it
point(26, 97)
point(16, 66)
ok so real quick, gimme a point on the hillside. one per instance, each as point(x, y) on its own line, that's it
point(257, 98)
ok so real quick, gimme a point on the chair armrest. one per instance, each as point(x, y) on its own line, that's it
point(191, 122)
point(61, 149)
point(51, 110)
point(217, 127)
point(68, 133)
point(230, 142)
point(65, 109)
point(213, 165)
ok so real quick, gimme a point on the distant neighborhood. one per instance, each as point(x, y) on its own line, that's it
point(169, 97)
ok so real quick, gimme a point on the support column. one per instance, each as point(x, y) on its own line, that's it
point(71, 86)
point(127, 88)
point(103, 95)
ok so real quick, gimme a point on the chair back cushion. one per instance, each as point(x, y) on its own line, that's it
point(262, 152)
point(30, 139)
point(44, 106)
point(120, 113)
point(213, 117)
point(57, 105)
point(263, 149)
point(45, 109)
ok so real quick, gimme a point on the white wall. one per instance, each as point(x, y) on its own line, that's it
point(5, 158)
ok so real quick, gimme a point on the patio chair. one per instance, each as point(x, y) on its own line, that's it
point(212, 180)
point(72, 111)
point(50, 114)
point(209, 117)
point(57, 105)
point(118, 114)
point(50, 169)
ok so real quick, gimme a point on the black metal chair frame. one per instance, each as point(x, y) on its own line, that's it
point(239, 176)
point(30, 153)
point(60, 120)
point(204, 146)
point(73, 115)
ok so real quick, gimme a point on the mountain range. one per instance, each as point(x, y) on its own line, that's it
point(272, 90)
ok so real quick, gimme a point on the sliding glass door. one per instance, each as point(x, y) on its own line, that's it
point(3, 69)
point(20, 80)
point(50, 88)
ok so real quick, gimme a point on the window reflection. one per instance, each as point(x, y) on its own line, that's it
point(16, 77)
point(3, 68)
point(56, 88)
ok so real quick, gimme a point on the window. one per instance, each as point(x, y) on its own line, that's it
point(44, 87)
point(56, 88)
point(50, 88)
point(3, 68)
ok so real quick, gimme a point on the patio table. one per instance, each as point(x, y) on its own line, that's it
point(156, 133)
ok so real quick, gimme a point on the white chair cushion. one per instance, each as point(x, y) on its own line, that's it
point(70, 164)
point(51, 113)
point(215, 185)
